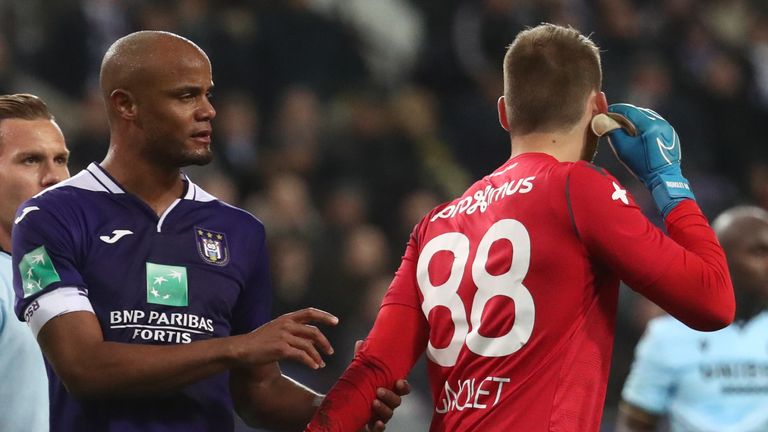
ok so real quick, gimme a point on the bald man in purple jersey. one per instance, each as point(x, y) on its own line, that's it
point(149, 297)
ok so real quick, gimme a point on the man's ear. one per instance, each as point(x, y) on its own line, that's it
point(601, 104)
point(123, 103)
point(502, 108)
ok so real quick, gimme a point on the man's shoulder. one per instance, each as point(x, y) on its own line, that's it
point(517, 177)
point(552, 174)
point(70, 192)
point(242, 217)
point(590, 167)
point(586, 171)
point(70, 201)
point(585, 180)
point(235, 217)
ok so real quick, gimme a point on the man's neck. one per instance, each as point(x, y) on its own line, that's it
point(565, 147)
point(157, 186)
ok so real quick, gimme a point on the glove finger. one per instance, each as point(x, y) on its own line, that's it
point(621, 141)
point(627, 126)
point(642, 118)
point(651, 113)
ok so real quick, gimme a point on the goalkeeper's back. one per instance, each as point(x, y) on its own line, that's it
point(512, 287)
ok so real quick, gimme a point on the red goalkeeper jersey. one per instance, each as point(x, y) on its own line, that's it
point(512, 290)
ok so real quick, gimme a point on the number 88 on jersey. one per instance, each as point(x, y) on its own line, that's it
point(508, 284)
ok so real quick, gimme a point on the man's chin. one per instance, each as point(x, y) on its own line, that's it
point(199, 157)
point(200, 161)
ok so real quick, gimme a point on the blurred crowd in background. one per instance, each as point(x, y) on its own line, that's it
point(342, 122)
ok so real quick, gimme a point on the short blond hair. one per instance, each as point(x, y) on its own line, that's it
point(23, 106)
point(549, 71)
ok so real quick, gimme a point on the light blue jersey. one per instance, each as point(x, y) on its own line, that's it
point(23, 380)
point(703, 382)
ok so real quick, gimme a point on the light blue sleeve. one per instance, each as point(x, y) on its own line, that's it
point(652, 379)
point(7, 296)
point(24, 383)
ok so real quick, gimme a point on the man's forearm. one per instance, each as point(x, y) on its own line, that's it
point(265, 397)
point(699, 291)
point(91, 367)
point(690, 280)
point(378, 364)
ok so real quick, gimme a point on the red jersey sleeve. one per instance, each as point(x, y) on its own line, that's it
point(404, 289)
point(685, 273)
point(399, 336)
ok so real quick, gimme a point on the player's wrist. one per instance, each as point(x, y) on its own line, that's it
point(317, 400)
point(668, 190)
point(234, 354)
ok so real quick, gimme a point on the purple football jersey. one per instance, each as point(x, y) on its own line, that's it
point(198, 271)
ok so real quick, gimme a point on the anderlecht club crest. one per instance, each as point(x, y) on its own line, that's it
point(212, 246)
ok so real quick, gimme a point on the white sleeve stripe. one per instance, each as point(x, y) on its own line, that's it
point(57, 302)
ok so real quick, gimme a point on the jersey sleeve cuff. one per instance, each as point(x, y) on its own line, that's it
point(669, 191)
point(686, 207)
point(55, 303)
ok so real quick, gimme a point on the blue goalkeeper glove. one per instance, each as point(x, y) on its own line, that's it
point(652, 155)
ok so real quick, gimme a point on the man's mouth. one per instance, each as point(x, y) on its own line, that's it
point(202, 136)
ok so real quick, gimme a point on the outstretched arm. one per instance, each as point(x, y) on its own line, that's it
point(264, 397)
point(89, 366)
point(396, 341)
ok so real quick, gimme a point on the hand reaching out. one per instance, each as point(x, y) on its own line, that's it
point(290, 336)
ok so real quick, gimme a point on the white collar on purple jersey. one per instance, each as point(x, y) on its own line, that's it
point(94, 178)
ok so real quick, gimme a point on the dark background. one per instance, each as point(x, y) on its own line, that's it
point(341, 122)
